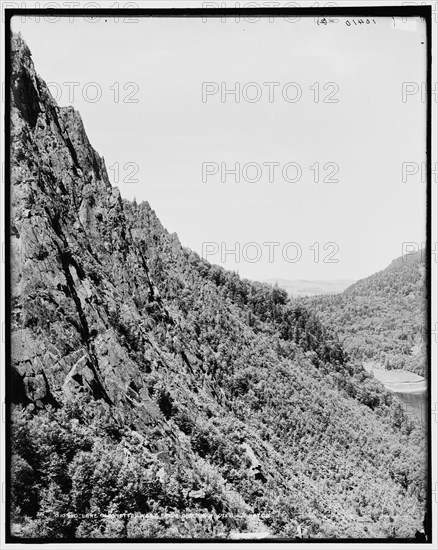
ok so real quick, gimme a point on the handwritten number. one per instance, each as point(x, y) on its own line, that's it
point(360, 22)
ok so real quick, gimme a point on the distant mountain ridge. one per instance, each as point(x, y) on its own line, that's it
point(303, 287)
point(383, 317)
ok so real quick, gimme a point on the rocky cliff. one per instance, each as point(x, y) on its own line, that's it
point(149, 385)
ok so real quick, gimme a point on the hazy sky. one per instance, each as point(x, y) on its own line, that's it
point(169, 132)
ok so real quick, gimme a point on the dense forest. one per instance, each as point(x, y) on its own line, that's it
point(158, 396)
point(382, 318)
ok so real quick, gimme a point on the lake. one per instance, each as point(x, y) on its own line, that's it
point(410, 389)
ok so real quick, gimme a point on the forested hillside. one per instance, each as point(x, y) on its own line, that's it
point(156, 395)
point(382, 318)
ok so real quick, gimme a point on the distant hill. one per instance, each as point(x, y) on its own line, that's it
point(382, 317)
point(303, 287)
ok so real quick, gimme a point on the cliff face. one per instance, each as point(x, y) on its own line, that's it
point(75, 267)
point(146, 381)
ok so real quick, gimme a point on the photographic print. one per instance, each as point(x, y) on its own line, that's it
point(218, 275)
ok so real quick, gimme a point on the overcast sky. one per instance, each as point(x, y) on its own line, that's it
point(147, 77)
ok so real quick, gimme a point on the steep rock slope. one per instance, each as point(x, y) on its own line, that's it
point(156, 395)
